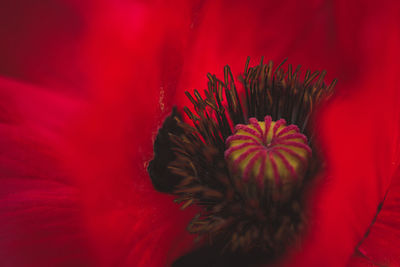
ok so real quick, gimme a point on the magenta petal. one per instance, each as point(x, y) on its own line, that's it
point(41, 221)
point(379, 246)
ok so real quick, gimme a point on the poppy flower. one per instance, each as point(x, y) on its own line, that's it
point(86, 85)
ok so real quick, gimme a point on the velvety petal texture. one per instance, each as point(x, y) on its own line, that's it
point(87, 84)
point(40, 209)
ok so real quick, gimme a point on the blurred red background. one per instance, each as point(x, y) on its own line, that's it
point(85, 84)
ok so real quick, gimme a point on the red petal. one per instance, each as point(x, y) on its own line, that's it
point(127, 221)
point(227, 32)
point(129, 54)
point(360, 133)
point(115, 48)
point(40, 42)
point(40, 210)
point(380, 246)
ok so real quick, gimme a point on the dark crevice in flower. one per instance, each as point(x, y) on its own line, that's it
point(242, 211)
point(358, 249)
point(372, 262)
point(211, 256)
point(162, 178)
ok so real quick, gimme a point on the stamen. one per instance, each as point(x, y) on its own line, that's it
point(234, 157)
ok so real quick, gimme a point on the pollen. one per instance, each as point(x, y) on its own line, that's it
point(268, 152)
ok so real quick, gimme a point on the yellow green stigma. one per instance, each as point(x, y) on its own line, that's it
point(268, 151)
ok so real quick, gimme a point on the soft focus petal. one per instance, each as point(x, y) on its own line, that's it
point(40, 42)
point(379, 247)
point(117, 51)
point(360, 134)
point(134, 59)
point(227, 32)
point(41, 221)
point(128, 52)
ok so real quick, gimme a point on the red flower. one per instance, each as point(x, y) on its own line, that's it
point(85, 86)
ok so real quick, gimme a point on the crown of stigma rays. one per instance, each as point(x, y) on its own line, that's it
point(244, 157)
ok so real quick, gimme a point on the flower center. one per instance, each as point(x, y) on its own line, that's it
point(248, 181)
point(267, 151)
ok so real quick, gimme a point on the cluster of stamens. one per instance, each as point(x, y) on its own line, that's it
point(238, 160)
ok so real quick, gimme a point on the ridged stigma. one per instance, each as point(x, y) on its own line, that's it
point(267, 150)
